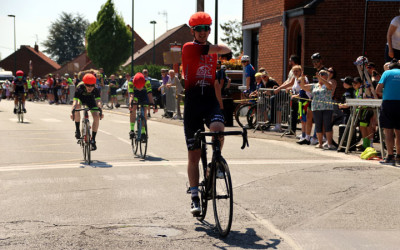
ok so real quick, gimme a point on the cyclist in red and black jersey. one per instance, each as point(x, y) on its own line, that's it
point(203, 102)
point(20, 87)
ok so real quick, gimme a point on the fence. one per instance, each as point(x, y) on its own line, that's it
point(272, 108)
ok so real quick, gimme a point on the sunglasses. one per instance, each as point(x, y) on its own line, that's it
point(315, 61)
point(323, 74)
point(89, 86)
point(19, 77)
point(200, 28)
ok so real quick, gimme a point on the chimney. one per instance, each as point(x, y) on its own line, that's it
point(36, 47)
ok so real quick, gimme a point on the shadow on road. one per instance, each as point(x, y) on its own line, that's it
point(152, 158)
point(96, 164)
point(247, 240)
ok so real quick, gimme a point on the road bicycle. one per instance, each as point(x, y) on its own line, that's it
point(84, 141)
point(20, 110)
point(216, 184)
point(246, 113)
point(140, 138)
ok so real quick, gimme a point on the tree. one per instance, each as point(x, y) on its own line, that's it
point(109, 39)
point(233, 36)
point(66, 38)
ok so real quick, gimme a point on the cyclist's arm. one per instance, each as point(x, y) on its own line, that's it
point(219, 49)
point(217, 88)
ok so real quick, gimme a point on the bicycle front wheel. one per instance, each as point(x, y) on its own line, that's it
point(143, 141)
point(252, 116)
point(87, 143)
point(222, 197)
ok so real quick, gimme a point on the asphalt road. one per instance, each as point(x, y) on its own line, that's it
point(286, 196)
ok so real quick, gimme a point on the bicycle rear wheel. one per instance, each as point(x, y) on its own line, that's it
point(143, 141)
point(203, 190)
point(222, 197)
point(241, 114)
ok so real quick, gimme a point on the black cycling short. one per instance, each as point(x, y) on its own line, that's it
point(19, 89)
point(390, 114)
point(199, 110)
point(365, 116)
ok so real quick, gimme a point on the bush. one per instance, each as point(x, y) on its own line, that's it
point(233, 64)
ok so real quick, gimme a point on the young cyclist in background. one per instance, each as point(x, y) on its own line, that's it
point(87, 94)
point(139, 92)
point(20, 86)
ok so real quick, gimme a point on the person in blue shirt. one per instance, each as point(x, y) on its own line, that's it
point(389, 117)
point(250, 73)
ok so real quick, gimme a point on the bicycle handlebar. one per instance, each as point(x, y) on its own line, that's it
point(199, 134)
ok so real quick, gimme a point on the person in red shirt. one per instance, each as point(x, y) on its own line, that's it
point(50, 83)
point(203, 101)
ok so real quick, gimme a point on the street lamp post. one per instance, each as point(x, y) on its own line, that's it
point(154, 41)
point(15, 48)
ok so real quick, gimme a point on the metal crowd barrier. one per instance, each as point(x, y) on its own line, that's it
point(170, 93)
point(271, 108)
point(104, 94)
point(71, 93)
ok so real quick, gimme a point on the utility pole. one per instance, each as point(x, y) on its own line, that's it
point(216, 23)
point(200, 5)
point(154, 41)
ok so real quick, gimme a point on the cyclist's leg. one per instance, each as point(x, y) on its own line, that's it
point(77, 119)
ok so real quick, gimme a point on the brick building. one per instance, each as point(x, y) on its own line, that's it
point(180, 34)
point(275, 29)
point(42, 64)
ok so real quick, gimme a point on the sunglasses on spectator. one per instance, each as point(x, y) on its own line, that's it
point(315, 61)
point(330, 71)
point(200, 28)
point(89, 85)
point(323, 74)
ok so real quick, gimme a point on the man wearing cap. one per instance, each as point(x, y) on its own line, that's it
point(203, 100)
point(250, 74)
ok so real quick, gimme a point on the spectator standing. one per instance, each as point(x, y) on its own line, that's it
point(390, 111)
point(321, 106)
point(250, 74)
point(174, 81)
point(393, 40)
point(50, 83)
point(164, 78)
point(294, 60)
point(113, 91)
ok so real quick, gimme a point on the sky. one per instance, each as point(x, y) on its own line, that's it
point(33, 18)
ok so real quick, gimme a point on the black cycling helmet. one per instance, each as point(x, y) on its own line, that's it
point(316, 56)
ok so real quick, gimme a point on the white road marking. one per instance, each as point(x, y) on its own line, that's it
point(50, 120)
point(170, 163)
point(16, 120)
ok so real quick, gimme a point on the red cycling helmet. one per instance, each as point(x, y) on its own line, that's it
point(139, 80)
point(89, 79)
point(200, 18)
point(20, 73)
